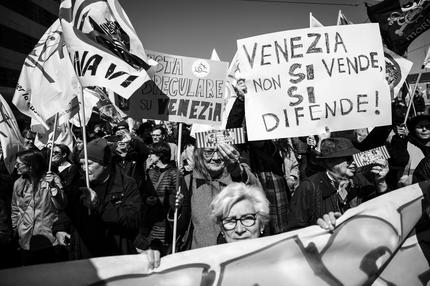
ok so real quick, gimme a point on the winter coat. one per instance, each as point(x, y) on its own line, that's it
point(203, 191)
point(111, 227)
point(34, 211)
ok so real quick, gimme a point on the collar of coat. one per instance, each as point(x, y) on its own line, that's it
point(224, 180)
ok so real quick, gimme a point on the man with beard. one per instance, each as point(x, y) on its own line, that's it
point(338, 187)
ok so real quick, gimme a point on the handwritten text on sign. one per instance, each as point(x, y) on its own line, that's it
point(307, 81)
point(182, 89)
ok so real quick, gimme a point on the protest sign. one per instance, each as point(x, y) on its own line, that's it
point(365, 243)
point(371, 156)
point(182, 89)
point(210, 139)
point(311, 81)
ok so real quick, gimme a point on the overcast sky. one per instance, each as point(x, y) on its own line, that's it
point(194, 27)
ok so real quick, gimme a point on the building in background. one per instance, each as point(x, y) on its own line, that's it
point(22, 23)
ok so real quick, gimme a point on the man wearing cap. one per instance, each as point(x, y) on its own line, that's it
point(130, 153)
point(338, 187)
point(103, 219)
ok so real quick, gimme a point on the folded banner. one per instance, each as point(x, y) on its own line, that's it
point(311, 81)
point(210, 139)
point(11, 140)
point(182, 89)
point(400, 22)
point(47, 76)
point(371, 156)
point(103, 45)
point(365, 243)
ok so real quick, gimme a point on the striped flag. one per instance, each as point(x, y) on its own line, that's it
point(103, 46)
point(371, 156)
point(10, 137)
point(210, 139)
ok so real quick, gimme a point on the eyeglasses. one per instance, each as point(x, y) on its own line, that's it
point(19, 164)
point(156, 135)
point(209, 153)
point(248, 220)
point(421, 126)
point(56, 152)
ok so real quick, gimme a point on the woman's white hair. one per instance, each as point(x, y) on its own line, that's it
point(235, 192)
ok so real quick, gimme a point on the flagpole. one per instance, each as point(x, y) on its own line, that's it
point(178, 188)
point(412, 96)
point(84, 138)
point(53, 142)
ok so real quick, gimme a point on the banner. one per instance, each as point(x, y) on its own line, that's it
point(47, 76)
point(311, 81)
point(11, 140)
point(182, 89)
point(63, 135)
point(400, 23)
point(103, 45)
point(364, 244)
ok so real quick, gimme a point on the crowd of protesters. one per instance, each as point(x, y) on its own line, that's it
point(227, 193)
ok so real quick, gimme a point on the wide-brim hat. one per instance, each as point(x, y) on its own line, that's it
point(337, 148)
point(415, 120)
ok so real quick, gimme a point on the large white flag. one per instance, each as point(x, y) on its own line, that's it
point(47, 84)
point(10, 137)
point(103, 45)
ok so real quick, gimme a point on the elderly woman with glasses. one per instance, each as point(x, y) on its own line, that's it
point(215, 168)
point(241, 212)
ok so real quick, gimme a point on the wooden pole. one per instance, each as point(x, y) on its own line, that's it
point(412, 97)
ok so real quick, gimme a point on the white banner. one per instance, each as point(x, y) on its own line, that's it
point(364, 244)
point(314, 80)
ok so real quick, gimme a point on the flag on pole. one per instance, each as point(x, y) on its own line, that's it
point(103, 45)
point(63, 135)
point(10, 137)
point(397, 69)
point(399, 23)
point(47, 83)
point(426, 63)
point(313, 22)
point(342, 20)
